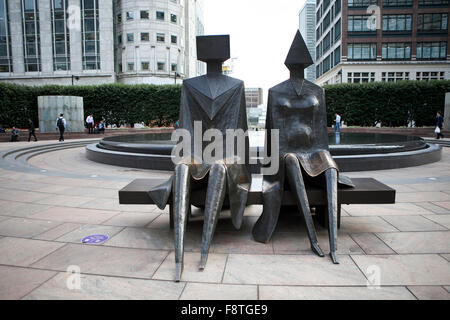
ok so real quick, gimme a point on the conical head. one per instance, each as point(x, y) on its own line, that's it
point(298, 56)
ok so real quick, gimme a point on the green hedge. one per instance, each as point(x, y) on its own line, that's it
point(391, 103)
point(115, 103)
point(358, 104)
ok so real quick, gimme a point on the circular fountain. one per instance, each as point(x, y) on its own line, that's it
point(352, 151)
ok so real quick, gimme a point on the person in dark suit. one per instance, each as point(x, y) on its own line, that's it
point(31, 130)
point(439, 124)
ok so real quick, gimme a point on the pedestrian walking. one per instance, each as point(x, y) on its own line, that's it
point(61, 126)
point(337, 126)
point(31, 130)
point(439, 125)
point(90, 123)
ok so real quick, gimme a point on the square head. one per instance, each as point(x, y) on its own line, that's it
point(213, 48)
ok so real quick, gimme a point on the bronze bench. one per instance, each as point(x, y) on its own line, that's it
point(366, 191)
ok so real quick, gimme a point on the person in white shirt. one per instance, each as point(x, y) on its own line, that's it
point(90, 123)
point(61, 126)
point(337, 126)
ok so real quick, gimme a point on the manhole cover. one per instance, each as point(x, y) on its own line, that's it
point(95, 239)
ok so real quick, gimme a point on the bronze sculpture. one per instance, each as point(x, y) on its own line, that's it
point(213, 101)
point(297, 109)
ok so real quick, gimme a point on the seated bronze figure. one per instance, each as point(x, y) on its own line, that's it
point(297, 109)
point(213, 101)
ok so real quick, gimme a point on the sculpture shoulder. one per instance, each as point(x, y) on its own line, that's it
point(312, 87)
point(282, 87)
point(205, 79)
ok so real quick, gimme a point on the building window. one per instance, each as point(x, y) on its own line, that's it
point(145, 65)
point(358, 24)
point(337, 55)
point(145, 14)
point(31, 35)
point(396, 51)
point(173, 18)
point(432, 22)
point(61, 35)
point(6, 64)
point(174, 39)
point(397, 22)
point(119, 38)
point(361, 51)
point(174, 67)
point(361, 3)
point(433, 2)
point(160, 37)
point(430, 75)
point(397, 3)
point(130, 15)
point(394, 76)
point(337, 30)
point(130, 37)
point(130, 66)
point(160, 15)
point(431, 50)
point(145, 36)
point(161, 66)
point(90, 34)
point(326, 64)
point(326, 21)
point(337, 7)
point(326, 42)
point(119, 18)
point(360, 77)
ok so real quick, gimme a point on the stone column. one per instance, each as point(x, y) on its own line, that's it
point(75, 37)
point(45, 26)
point(106, 36)
point(15, 23)
point(447, 112)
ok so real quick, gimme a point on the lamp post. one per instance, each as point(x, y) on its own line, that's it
point(75, 77)
point(176, 75)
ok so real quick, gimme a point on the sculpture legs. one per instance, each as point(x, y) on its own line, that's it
point(181, 204)
point(331, 176)
point(214, 201)
point(295, 180)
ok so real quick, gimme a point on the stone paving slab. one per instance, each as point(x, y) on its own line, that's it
point(443, 204)
point(417, 242)
point(113, 205)
point(161, 222)
point(365, 224)
point(443, 220)
point(25, 196)
point(242, 242)
point(135, 263)
point(2, 218)
point(77, 235)
point(157, 239)
point(213, 272)
point(410, 270)
point(371, 244)
point(25, 228)
point(207, 291)
point(397, 209)
point(446, 256)
point(17, 282)
point(130, 219)
point(413, 223)
point(107, 288)
point(433, 208)
point(292, 270)
point(74, 215)
point(58, 231)
point(422, 197)
point(431, 186)
point(296, 243)
point(333, 293)
point(18, 209)
point(63, 200)
point(430, 292)
point(23, 252)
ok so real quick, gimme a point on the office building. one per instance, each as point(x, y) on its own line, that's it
point(381, 40)
point(307, 22)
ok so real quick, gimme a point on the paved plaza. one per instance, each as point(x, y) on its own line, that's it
point(53, 201)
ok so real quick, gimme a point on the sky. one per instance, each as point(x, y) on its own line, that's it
point(261, 33)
